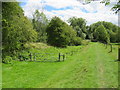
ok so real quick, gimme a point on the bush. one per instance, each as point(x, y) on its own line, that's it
point(59, 33)
point(77, 41)
point(7, 59)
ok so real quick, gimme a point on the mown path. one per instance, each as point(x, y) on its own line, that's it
point(93, 67)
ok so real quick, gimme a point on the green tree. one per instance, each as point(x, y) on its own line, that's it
point(59, 33)
point(118, 35)
point(40, 23)
point(78, 24)
point(16, 28)
point(102, 34)
point(115, 8)
point(112, 29)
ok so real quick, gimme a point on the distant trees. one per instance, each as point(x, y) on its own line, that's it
point(78, 24)
point(40, 23)
point(60, 34)
point(111, 29)
point(101, 34)
point(16, 28)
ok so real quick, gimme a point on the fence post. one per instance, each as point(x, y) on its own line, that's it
point(34, 57)
point(30, 57)
point(118, 52)
point(20, 57)
point(59, 57)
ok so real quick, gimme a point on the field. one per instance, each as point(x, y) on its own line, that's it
point(92, 66)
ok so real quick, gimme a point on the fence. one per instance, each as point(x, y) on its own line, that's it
point(111, 49)
point(43, 57)
point(47, 57)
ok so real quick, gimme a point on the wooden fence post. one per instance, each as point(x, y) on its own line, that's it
point(30, 57)
point(20, 57)
point(34, 57)
point(59, 57)
point(118, 52)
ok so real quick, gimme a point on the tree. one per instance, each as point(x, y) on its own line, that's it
point(118, 35)
point(59, 33)
point(113, 37)
point(115, 8)
point(40, 23)
point(102, 34)
point(78, 24)
point(112, 29)
point(16, 28)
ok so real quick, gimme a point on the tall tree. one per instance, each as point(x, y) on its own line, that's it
point(40, 23)
point(78, 24)
point(101, 34)
point(17, 29)
point(60, 34)
point(111, 28)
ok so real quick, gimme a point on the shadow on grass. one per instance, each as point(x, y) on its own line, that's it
point(117, 60)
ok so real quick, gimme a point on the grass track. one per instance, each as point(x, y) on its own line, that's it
point(91, 67)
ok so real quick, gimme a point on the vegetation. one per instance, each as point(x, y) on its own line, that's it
point(79, 25)
point(89, 64)
point(111, 29)
point(40, 23)
point(15, 35)
point(77, 71)
point(101, 34)
point(60, 34)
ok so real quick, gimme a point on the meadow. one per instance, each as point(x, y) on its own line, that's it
point(92, 66)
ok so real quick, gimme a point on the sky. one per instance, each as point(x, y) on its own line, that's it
point(93, 12)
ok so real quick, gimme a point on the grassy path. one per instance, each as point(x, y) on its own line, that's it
point(91, 67)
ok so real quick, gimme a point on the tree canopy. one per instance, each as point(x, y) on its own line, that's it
point(59, 33)
point(78, 24)
point(40, 23)
point(17, 29)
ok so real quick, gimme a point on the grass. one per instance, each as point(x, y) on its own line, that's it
point(91, 67)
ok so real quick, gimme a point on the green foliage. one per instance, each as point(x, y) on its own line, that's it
point(118, 35)
point(111, 29)
point(16, 28)
point(59, 33)
point(7, 59)
point(79, 24)
point(116, 7)
point(113, 35)
point(101, 34)
point(76, 41)
point(40, 23)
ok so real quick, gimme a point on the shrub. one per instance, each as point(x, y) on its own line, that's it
point(59, 33)
point(77, 41)
point(7, 59)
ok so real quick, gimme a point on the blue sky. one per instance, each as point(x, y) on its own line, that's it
point(50, 8)
point(93, 12)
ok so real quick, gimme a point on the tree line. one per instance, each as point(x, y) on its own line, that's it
point(17, 30)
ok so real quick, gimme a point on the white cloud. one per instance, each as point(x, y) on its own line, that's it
point(97, 11)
